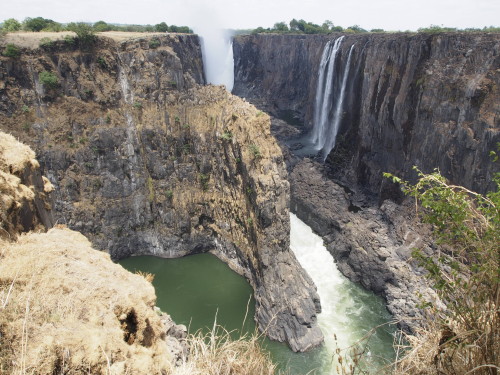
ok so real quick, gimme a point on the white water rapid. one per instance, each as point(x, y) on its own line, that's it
point(217, 48)
point(348, 311)
point(330, 94)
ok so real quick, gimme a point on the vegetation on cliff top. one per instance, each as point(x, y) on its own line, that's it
point(43, 24)
point(327, 27)
point(463, 337)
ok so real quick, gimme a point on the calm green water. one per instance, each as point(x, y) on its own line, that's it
point(196, 289)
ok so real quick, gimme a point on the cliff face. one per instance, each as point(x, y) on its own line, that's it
point(146, 161)
point(425, 100)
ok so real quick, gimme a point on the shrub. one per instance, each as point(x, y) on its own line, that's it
point(154, 43)
point(463, 338)
point(46, 43)
point(84, 32)
point(48, 79)
point(11, 50)
point(69, 40)
point(11, 25)
point(255, 150)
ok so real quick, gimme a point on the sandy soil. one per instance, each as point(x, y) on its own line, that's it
point(32, 40)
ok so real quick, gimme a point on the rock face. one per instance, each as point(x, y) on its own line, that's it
point(146, 161)
point(411, 99)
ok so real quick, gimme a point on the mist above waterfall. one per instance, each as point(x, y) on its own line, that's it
point(217, 48)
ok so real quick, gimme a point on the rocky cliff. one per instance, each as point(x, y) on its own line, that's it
point(429, 100)
point(146, 161)
point(409, 99)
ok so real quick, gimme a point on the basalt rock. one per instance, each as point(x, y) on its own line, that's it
point(147, 161)
point(428, 100)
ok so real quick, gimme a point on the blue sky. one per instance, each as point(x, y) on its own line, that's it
point(386, 14)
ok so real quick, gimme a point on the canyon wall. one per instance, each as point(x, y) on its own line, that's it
point(144, 160)
point(430, 100)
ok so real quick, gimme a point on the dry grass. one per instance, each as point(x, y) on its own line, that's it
point(32, 40)
point(67, 309)
point(120, 36)
point(14, 155)
point(15, 158)
point(217, 354)
point(450, 350)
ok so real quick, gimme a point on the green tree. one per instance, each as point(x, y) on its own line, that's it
point(48, 79)
point(161, 27)
point(84, 32)
point(101, 26)
point(281, 27)
point(11, 50)
point(37, 24)
point(11, 25)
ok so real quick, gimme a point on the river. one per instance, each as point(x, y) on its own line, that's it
point(197, 288)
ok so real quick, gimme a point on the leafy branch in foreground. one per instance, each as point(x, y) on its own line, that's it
point(465, 273)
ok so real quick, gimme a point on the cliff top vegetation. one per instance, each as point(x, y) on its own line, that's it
point(327, 27)
point(463, 337)
point(39, 24)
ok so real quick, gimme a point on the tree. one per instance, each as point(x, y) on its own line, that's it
point(11, 25)
point(101, 26)
point(161, 27)
point(37, 24)
point(84, 32)
point(465, 273)
point(281, 27)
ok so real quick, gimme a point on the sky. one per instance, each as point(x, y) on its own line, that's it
point(389, 15)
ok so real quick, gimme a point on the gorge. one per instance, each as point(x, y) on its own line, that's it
point(146, 159)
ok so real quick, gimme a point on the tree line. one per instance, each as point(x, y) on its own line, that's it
point(43, 24)
point(327, 27)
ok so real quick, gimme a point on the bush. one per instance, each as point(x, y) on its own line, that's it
point(11, 50)
point(154, 43)
point(39, 24)
point(11, 25)
point(463, 338)
point(46, 43)
point(48, 79)
point(84, 32)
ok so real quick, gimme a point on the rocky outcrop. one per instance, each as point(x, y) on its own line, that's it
point(67, 308)
point(145, 161)
point(25, 201)
point(428, 100)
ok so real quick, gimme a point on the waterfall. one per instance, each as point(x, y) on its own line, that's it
point(218, 61)
point(328, 104)
point(348, 311)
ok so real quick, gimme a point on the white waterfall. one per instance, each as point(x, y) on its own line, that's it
point(324, 91)
point(348, 311)
point(329, 96)
point(331, 135)
point(217, 48)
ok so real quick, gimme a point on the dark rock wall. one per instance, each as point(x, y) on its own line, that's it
point(412, 99)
